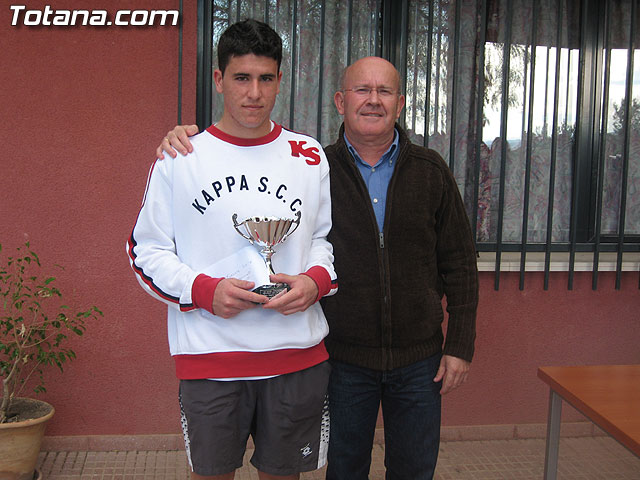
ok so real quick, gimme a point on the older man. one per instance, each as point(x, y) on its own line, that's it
point(401, 241)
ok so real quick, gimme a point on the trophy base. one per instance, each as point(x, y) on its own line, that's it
point(270, 290)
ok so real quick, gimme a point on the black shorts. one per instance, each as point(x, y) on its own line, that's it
point(287, 416)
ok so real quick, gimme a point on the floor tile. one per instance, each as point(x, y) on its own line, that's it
point(582, 458)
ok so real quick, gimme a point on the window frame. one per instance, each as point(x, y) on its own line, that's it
point(586, 190)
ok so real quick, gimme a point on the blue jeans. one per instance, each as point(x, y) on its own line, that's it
point(411, 412)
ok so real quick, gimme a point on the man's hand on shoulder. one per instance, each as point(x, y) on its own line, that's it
point(453, 372)
point(302, 295)
point(177, 140)
point(233, 296)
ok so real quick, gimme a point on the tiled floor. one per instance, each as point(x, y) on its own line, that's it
point(583, 458)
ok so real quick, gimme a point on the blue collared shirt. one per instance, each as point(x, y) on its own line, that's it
point(377, 178)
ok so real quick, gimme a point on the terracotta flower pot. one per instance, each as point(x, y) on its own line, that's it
point(20, 441)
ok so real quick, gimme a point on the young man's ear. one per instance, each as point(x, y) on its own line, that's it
point(217, 79)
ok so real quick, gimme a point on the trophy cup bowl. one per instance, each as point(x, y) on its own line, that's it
point(267, 232)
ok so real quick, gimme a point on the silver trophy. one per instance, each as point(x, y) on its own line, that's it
point(267, 232)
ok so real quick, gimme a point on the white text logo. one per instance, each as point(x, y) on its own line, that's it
point(98, 18)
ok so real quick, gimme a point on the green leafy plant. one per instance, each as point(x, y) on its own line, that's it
point(34, 324)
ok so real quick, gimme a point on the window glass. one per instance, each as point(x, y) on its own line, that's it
point(319, 39)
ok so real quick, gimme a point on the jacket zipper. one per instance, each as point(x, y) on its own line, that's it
point(386, 313)
point(387, 361)
point(385, 304)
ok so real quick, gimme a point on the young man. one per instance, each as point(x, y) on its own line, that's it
point(247, 364)
point(403, 243)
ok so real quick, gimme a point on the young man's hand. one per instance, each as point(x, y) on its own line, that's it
point(302, 295)
point(177, 139)
point(233, 296)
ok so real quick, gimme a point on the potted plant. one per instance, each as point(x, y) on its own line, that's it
point(35, 326)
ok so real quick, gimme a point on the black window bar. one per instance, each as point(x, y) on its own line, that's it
point(627, 135)
point(527, 177)
point(506, 59)
point(554, 151)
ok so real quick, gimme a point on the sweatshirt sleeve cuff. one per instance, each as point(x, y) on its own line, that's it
point(202, 291)
point(322, 278)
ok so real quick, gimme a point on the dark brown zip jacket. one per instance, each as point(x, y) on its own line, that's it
point(388, 311)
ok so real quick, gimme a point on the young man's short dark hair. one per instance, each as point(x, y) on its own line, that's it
point(249, 36)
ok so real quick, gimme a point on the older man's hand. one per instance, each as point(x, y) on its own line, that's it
point(453, 372)
point(177, 140)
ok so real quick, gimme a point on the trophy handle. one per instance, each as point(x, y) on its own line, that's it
point(296, 222)
point(236, 225)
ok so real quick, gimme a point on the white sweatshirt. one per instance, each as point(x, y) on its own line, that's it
point(185, 228)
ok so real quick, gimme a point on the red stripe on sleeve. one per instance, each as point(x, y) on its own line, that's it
point(202, 291)
point(322, 278)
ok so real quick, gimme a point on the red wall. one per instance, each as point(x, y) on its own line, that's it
point(518, 331)
point(84, 109)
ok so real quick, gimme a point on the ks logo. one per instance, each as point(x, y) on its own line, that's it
point(311, 154)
